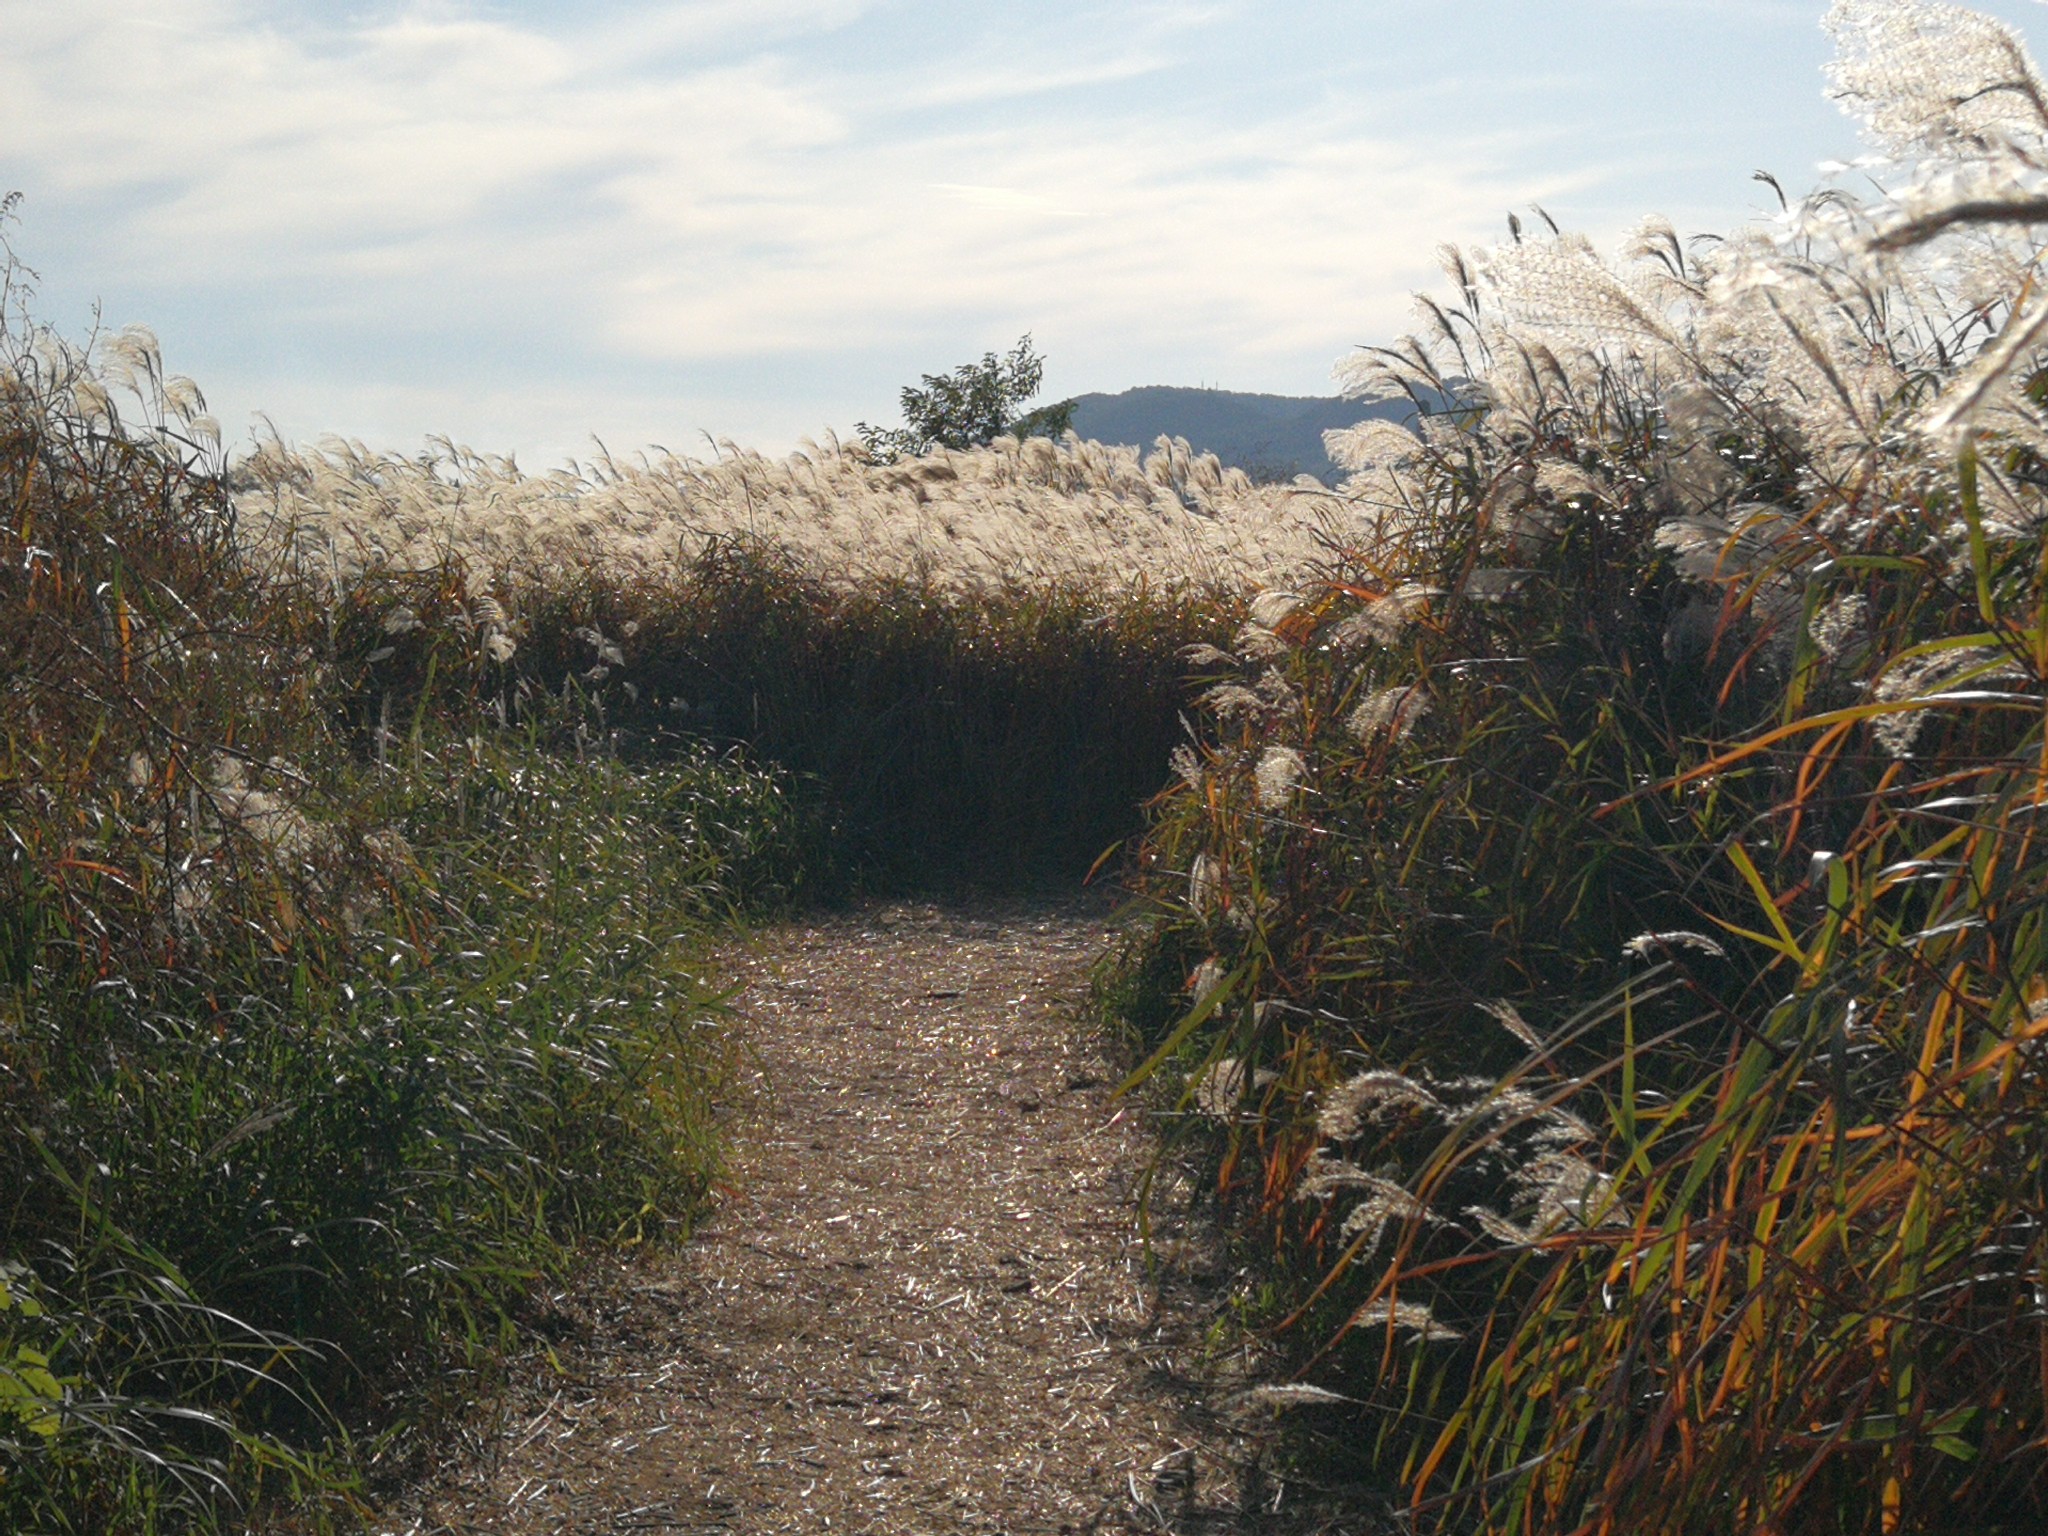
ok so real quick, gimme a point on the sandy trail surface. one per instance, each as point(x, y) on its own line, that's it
point(922, 1304)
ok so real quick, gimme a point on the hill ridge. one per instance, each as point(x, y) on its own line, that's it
point(1270, 437)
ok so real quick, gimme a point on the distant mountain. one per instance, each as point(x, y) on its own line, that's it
point(1269, 437)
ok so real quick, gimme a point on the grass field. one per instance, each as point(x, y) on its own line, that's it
point(1596, 907)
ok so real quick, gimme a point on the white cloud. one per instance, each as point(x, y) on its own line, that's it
point(233, 132)
point(685, 187)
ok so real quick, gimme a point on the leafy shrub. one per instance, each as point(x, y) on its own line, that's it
point(972, 406)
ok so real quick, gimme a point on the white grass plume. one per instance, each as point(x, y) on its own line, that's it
point(988, 517)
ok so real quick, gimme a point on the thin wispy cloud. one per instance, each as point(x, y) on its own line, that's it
point(984, 83)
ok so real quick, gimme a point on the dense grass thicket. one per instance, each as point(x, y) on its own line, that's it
point(1003, 735)
point(1606, 924)
point(325, 1031)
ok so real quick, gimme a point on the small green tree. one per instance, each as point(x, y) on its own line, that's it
point(973, 404)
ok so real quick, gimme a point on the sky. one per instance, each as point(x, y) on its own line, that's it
point(534, 226)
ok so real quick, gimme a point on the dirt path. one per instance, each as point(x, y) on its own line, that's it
point(922, 1306)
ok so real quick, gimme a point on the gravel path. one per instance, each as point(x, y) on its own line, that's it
point(921, 1306)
